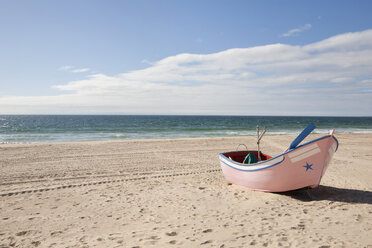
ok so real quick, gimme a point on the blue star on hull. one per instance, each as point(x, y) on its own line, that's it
point(308, 166)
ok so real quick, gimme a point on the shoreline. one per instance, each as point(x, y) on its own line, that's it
point(121, 193)
point(294, 134)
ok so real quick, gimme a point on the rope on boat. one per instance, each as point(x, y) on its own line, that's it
point(241, 145)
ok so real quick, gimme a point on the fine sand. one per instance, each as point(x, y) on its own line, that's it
point(171, 193)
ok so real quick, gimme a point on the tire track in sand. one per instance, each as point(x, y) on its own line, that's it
point(154, 176)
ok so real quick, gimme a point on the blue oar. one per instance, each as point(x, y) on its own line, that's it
point(302, 136)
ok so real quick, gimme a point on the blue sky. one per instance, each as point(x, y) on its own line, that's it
point(186, 57)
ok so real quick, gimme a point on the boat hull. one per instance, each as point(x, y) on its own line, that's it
point(298, 168)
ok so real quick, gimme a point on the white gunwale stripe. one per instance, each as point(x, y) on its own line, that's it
point(305, 155)
point(302, 150)
point(253, 167)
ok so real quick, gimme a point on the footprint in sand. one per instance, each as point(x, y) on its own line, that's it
point(206, 242)
point(359, 218)
point(171, 234)
point(36, 243)
point(21, 233)
point(55, 233)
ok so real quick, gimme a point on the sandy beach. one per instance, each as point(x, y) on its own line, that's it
point(171, 193)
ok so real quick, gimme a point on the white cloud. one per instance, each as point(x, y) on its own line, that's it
point(65, 68)
point(70, 68)
point(146, 61)
point(296, 30)
point(330, 77)
point(80, 70)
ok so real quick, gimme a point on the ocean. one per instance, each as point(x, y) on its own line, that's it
point(68, 128)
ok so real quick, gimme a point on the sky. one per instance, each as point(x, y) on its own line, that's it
point(186, 57)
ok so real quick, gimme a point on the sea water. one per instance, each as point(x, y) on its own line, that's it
point(67, 128)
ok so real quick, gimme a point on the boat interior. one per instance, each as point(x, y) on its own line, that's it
point(239, 156)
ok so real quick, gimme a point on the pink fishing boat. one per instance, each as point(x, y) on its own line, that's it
point(300, 166)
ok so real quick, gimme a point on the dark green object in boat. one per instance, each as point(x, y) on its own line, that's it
point(250, 159)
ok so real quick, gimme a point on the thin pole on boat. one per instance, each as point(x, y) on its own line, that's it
point(259, 137)
point(262, 134)
point(258, 143)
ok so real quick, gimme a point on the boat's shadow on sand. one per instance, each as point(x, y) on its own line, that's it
point(332, 194)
